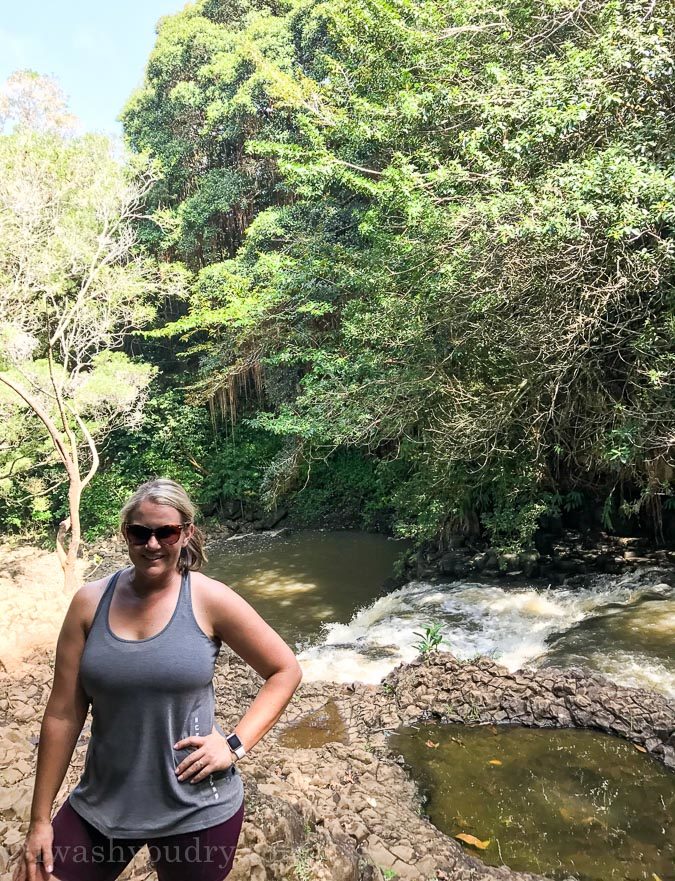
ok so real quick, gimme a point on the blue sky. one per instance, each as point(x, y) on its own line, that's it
point(96, 49)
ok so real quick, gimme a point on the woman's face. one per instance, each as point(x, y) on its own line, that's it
point(156, 559)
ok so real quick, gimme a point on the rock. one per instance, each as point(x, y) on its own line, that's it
point(348, 799)
point(569, 566)
point(340, 855)
point(404, 853)
point(248, 867)
point(376, 851)
point(479, 561)
point(453, 563)
point(529, 563)
point(355, 829)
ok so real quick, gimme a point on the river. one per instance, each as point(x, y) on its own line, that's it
point(325, 593)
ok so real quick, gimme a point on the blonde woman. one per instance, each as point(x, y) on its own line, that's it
point(140, 648)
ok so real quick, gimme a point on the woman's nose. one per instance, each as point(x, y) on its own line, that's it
point(152, 542)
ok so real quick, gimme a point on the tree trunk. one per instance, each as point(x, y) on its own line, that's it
point(68, 557)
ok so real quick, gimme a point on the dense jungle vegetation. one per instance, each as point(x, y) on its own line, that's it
point(421, 265)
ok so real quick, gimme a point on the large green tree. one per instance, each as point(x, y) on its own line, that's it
point(439, 232)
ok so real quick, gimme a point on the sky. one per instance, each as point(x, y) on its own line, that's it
point(96, 49)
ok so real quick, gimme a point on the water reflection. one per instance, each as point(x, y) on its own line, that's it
point(551, 802)
point(299, 580)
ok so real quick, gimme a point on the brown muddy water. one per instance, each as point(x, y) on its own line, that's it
point(316, 729)
point(561, 803)
point(299, 581)
point(325, 593)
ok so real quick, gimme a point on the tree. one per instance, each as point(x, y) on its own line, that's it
point(72, 286)
point(460, 247)
point(36, 102)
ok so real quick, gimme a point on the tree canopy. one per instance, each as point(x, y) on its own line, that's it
point(440, 233)
point(72, 286)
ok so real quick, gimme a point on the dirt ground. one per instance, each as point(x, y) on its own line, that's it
point(33, 604)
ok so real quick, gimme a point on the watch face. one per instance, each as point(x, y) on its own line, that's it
point(234, 742)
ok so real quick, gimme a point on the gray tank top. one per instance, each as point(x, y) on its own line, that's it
point(145, 695)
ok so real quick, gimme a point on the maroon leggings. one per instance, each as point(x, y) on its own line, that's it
point(82, 853)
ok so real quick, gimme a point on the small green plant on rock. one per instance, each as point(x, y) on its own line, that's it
point(430, 638)
point(301, 868)
point(473, 713)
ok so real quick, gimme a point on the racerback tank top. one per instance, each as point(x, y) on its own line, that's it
point(145, 695)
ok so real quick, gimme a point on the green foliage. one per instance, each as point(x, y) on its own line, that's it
point(178, 441)
point(347, 490)
point(430, 638)
point(72, 287)
point(432, 243)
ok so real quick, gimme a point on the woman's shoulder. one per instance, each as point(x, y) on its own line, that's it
point(86, 599)
point(209, 590)
point(211, 601)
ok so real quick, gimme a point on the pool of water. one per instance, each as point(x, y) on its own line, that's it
point(555, 802)
point(316, 729)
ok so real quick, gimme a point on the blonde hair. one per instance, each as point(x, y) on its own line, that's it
point(163, 491)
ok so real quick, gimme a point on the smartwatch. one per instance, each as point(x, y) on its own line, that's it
point(236, 745)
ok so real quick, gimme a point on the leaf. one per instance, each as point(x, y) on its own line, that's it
point(655, 877)
point(639, 748)
point(494, 762)
point(431, 744)
point(472, 840)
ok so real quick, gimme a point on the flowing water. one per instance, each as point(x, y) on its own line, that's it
point(300, 580)
point(561, 803)
point(564, 803)
point(325, 593)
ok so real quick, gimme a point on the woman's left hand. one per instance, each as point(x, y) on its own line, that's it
point(211, 753)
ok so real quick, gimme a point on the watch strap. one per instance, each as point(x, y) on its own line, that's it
point(236, 746)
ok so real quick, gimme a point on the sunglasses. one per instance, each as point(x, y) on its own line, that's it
point(165, 535)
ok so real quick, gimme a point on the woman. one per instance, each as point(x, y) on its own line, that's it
point(141, 648)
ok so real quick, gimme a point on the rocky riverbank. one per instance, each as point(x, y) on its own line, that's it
point(326, 799)
point(556, 557)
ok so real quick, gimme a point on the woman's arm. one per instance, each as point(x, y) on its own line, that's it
point(64, 714)
point(239, 626)
point(61, 725)
point(62, 722)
